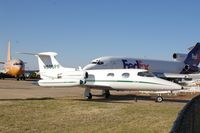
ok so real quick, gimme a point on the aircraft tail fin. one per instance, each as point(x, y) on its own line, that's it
point(49, 67)
point(9, 51)
point(47, 61)
point(48, 64)
point(53, 74)
point(193, 59)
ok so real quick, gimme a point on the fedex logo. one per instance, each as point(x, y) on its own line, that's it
point(196, 57)
point(137, 64)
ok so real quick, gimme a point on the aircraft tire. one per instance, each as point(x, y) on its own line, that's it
point(159, 99)
point(23, 77)
point(106, 94)
point(89, 96)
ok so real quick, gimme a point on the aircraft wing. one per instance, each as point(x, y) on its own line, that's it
point(90, 83)
point(103, 87)
point(171, 75)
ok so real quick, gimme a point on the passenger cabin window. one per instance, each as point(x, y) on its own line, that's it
point(125, 75)
point(110, 75)
point(98, 62)
point(145, 74)
point(17, 64)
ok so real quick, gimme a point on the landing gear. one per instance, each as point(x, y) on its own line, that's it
point(87, 94)
point(21, 77)
point(106, 94)
point(159, 99)
point(2, 76)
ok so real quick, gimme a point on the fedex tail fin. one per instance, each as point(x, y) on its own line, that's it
point(193, 57)
point(192, 60)
point(9, 52)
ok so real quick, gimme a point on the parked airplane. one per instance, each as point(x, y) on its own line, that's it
point(13, 67)
point(53, 74)
point(184, 64)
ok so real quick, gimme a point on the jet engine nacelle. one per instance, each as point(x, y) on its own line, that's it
point(187, 67)
point(190, 69)
point(179, 57)
point(60, 82)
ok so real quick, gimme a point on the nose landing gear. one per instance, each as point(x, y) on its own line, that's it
point(159, 99)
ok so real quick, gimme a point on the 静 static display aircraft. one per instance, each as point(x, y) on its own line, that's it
point(12, 67)
point(53, 74)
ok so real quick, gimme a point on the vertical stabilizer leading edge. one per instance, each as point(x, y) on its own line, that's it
point(192, 60)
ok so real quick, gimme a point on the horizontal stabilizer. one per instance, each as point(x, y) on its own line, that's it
point(40, 54)
point(171, 75)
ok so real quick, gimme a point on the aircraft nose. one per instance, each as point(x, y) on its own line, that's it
point(176, 86)
point(170, 85)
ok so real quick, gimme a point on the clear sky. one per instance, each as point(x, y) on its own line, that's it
point(81, 30)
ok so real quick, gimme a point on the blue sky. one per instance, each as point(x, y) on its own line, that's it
point(81, 30)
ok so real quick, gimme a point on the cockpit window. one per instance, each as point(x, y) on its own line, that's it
point(94, 62)
point(145, 74)
point(98, 62)
point(18, 64)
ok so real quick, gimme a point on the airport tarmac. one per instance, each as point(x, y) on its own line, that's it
point(12, 89)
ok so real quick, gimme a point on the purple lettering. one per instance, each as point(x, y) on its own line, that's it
point(138, 64)
point(127, 65)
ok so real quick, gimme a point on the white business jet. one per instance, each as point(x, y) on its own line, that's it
point(53, 74)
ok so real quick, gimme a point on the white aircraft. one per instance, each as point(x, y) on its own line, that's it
point(53, 74)
point(184, 64)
